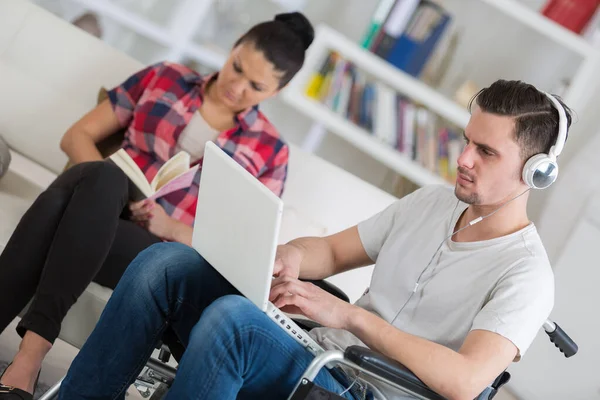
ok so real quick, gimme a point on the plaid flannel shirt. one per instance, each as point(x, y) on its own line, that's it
point(156, 103)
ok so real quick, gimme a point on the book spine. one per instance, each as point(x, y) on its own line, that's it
point(396, 22)
point(413, 49)
point(315, 82)
point(381, 13)
point(392, 119)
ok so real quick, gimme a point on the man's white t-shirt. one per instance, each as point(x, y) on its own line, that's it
point(504, 285)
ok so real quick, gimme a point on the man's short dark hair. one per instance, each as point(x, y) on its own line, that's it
point(536, 118)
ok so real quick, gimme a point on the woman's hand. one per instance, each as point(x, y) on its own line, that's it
point(152, 216)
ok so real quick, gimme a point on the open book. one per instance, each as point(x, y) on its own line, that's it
point(174, 175)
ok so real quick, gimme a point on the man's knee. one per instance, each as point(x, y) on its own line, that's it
point(166, 261)
point(234, 305)
point(232, 312)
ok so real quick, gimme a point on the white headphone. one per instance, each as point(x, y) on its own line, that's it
point(541, 170)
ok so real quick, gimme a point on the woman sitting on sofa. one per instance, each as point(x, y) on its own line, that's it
point(84, 227)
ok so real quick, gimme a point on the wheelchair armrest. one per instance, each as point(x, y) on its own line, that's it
point(390, 370)
point(399, 375)
point(330, 288)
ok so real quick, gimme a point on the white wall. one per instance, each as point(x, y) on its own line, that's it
point(576, 181)
point(544, 373)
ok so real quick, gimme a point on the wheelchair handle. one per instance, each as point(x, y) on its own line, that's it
point(561, 340)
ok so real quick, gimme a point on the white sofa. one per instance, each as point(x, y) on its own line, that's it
point(50, 74)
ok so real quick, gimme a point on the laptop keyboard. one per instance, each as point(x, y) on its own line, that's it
point(293, 330)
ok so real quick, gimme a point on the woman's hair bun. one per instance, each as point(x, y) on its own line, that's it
point(300, 25)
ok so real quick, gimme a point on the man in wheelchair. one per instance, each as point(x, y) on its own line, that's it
point(461, 284)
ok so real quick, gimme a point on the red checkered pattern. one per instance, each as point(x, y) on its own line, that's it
point(156, 104)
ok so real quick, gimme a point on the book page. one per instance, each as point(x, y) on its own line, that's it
point(181, 181)
point(175, 166)
point(133, 172)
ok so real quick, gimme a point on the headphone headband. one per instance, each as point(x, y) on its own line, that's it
point(541, 170)
point(562, 128)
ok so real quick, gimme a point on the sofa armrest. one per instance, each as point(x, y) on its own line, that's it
point(30, 170)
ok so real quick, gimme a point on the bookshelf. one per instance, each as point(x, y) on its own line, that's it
point(327, 39)
point(176, 38)
point(538, 22)
point(577, 95)
point(172, 29)
point(365, 141)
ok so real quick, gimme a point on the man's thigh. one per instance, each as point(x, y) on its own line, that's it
point(274, 360)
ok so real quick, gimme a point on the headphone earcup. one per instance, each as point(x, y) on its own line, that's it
point(540, 171)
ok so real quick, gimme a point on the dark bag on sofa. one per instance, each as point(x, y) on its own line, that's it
point(4, 157)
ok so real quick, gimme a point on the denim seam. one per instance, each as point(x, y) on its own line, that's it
point(182, 302)
point(142, 361)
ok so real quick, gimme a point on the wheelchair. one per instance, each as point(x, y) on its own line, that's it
point(158, 373)
point(398, 376)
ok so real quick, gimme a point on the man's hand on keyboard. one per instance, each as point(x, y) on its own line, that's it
point(287, 261)
point(297, 297)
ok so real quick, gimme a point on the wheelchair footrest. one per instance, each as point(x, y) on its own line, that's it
point(309, 391)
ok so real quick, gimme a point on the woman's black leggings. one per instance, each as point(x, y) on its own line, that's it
point(75, 232)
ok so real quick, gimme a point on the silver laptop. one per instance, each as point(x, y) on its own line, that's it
point(236, 230)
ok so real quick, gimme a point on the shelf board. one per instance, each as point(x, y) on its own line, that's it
point(543, 25)
point(136, 23)
point(207, 56)
point(362, 139)
point(395, 78)
point(153, 31)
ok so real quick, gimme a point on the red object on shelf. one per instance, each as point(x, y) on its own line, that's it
point(572, 14)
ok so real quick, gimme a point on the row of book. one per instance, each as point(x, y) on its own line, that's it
point(406, 32)
point(385, 114)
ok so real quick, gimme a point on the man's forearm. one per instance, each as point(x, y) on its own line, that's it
point(442, 369)
point(318, 261)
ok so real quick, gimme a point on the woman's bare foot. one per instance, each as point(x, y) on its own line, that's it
point(26, 365)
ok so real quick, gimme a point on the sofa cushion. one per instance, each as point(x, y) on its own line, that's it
point(63, 66)
point(16, 195)
point(295, 224)
point(83, 316)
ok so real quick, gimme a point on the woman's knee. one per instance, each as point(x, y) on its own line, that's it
point(105, 180)
point(52, 201)
point(108, 176)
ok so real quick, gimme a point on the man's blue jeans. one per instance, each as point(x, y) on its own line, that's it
point(233, 350)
